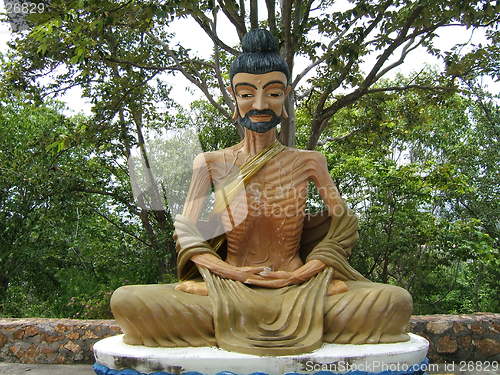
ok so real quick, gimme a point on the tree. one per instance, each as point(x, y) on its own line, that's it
point(116, 49)
point(63, 250)
point(416, 176)
point(118, 52)
point(112, 38)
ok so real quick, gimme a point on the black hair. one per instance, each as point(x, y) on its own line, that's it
point(260, 55)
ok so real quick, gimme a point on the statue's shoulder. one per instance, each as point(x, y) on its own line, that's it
point(306, 156)
point(210, 157)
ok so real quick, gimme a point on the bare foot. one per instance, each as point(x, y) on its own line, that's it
point(336, 287)
point(193, 287)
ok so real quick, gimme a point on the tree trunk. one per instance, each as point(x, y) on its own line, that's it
point(315, 134)
point(254, 14)
point(159, 214)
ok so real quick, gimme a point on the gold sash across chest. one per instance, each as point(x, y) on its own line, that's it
point(234, 184)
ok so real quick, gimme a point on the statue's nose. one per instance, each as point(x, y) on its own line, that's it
point(260, 102)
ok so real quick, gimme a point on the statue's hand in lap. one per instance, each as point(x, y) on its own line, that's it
point(275, 279)
point(193, 287)
point(226, 270)
point(336, 287)
point(280, 279)
point(200, 287)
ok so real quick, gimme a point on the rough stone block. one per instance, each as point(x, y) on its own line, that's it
point(439, 326)
point(446, 344)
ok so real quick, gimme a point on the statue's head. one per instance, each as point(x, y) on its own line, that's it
point(259, 82)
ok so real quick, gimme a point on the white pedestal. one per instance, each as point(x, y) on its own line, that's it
point(395, 358)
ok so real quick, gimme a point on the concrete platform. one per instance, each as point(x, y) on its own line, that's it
point(403, 357)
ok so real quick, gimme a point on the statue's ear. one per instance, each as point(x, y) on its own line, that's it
point(284, 113)
point(236, 113)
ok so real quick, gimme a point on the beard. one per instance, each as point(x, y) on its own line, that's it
point(261, 126)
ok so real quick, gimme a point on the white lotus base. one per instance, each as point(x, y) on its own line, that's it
point(114, 354)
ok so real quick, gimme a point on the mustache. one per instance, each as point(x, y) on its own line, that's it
point(263, 112)
point(261, 126)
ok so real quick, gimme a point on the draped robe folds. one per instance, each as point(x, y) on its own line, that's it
point(265, 321)
point(280, 321)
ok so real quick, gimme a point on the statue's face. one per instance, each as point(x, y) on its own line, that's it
point(260, 99)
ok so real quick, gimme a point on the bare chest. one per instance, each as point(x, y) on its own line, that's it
point(278, 189)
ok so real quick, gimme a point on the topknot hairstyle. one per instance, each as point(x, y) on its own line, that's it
point(260, 55)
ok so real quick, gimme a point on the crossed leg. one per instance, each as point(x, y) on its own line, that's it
point(159, 315)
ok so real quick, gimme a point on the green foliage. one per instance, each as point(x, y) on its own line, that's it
point(114, 49)
point(213, 131)
point(61, 256)
point(416, 160)
point(421, 174)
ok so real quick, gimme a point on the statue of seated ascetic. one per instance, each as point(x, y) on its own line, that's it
point(277, 282)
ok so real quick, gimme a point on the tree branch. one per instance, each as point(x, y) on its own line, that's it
point(346, 136)
point(297, 19)
point(325, 55)
point(370, 78)
point(271, 16)
point(229, 9)
point(206, 23)
point(121, 228)
point(115, 196)
point(197, 81)
point(409, 87)
point(242, 9)
point(62, 89)
point(138, 65)
point(401, 38)
point(286, 27)
point(218, 73)
point(254, 14)
point(406, 50)
point(305, 17)
point(300, 20)
point(332, 87)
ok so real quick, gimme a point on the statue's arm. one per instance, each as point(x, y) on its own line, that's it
point(279, 279)
point(324, 183)
point(198, 189)
point(333, 201)
point(221, 268)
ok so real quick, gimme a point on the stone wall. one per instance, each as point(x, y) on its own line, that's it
point(452, 338)
point(54, 341)
point(459, 337)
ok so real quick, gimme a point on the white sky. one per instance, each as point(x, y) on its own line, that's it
point(191, 35)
